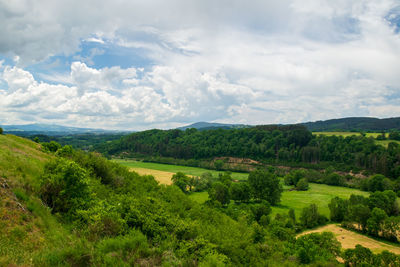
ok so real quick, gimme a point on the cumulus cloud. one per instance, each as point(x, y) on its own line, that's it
point(228, 61)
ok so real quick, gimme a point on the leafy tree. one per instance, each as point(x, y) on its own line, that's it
point(360, 256)
point(378, 182)
point(181, 180)
point(338, 209)
point(265, 185)
point(1, 130)
point(375, 222)
point(219, 192)
point(240, 192)
point(302, 184)
point(310, 217)
point(359, 213)
point(53, 146)
point(334, 179)
point(394, 136)
point(218, 164)
point(260, 209)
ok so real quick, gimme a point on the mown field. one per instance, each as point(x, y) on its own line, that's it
point(176, 168)
point(350, 239)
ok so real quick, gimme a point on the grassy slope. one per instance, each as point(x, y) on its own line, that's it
point(27, 229)
point(175, 168)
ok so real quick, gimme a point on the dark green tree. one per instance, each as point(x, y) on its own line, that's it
point(338, 209)
point(265, 185)
point(240, 192)
point(219, 192)
point(375, 222)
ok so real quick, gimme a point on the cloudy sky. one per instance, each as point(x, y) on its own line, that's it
point(166, 63)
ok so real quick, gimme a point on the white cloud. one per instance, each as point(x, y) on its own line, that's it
point(231, 61)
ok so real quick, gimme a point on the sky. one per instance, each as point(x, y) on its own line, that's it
point(135, 65)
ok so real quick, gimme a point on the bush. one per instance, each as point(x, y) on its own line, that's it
point(65, 186)
point(302, 185)
point(1, 130)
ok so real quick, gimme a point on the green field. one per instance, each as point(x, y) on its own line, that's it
point(319, 194)
point(176, 168)
point(345, 134)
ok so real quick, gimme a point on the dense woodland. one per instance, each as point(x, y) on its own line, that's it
point(286, 145)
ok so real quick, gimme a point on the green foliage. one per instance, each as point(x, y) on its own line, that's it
point(65, 186)
point(317, 247)
point(265, 186)
point(1, 130)
point(218, 164)
point(310, 217)
point(333, 179)
point(379, 182)
point(375, 222)
point(338, 209)
point(52, 146)
point(240, 192)
point(219, 192)
point(181, 180)
point(302, 184)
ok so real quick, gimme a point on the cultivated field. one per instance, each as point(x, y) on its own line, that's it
point(161, 176)
point(345, 134)
point(350, 239)
point(176, 168)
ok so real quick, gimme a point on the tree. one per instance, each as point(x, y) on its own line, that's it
point(219, 192)
point(265, 185)
point(375, 222)
point(359, 213)
point(378, 182)
point(1, 130)
point(302, 185)
point(338, 209)
point(334, 179)
point(240, 192)
point(181, 180)
point(260, 209)
point(218, 164)
point(310, 217)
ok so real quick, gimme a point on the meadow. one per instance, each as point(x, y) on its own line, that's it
point(319, 194)
point(383, 143)
point(195, 171)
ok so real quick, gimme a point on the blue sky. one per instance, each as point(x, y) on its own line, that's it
point(161, 64)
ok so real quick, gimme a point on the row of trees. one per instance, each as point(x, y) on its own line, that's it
point(376, 215)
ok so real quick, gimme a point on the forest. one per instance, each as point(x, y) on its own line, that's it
point(291, 145)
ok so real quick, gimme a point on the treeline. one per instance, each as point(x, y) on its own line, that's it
point(377, 215)
point(286, 145)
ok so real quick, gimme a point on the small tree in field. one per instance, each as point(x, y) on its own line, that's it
point(265, 186)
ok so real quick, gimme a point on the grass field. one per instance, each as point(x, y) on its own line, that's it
point(350, 239)
point(175, 168)
point(319, 194)
point(345, 134)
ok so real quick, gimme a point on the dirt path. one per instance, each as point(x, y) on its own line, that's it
point(161, 176)
point(350, 239)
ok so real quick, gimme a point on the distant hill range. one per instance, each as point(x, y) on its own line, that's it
point(213, 125)
point(50, 130)
point(343, 124)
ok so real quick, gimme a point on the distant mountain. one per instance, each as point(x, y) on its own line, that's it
point(213, 125)
point(354, 124)
point(49, 129)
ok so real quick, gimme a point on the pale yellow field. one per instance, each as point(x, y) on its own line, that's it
point(161, 176)
point(350, 239)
